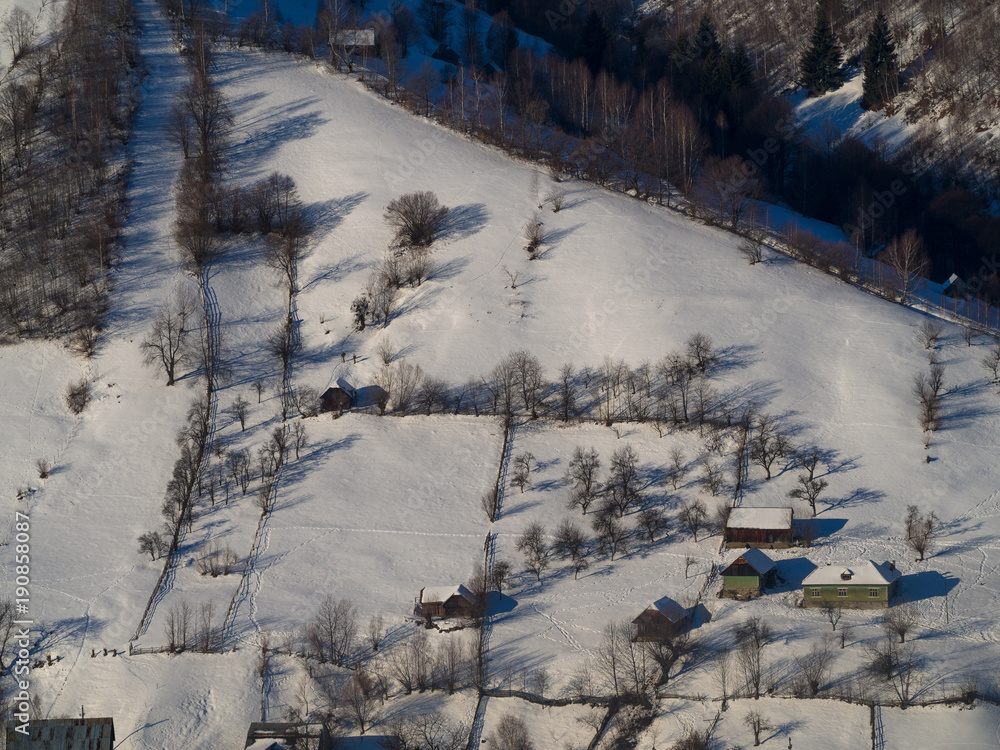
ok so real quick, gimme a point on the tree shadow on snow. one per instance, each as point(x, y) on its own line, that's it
point(860, 496)
point(464, 221)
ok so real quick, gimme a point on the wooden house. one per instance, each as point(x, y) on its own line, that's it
point(870, 585)
point(748, 575)
point(955, 288)
point(335, 399)
point(62, 734)
point(285, 735)
point(444, 53)
point(770, 528)
point(661, 620)
point(446, 601)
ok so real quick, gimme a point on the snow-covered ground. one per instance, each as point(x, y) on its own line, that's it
point(375, 508)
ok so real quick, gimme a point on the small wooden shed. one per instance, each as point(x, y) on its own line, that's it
point(661, 620)
point(770, 528)
point(748, 575)
point(446, 601)
point(335, 399)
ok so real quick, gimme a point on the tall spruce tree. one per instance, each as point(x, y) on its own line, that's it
point(822, 65)
point(881, 78)
point(593, 40)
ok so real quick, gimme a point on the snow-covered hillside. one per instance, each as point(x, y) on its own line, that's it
point(376, 508)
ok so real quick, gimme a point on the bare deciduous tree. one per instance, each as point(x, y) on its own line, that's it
point(165, 344)
point(900, 620)
point(906, 258)
point(531, 544)
point(153, 543)
point(894, 663)
point(757, 724)
point(332, 632)
point(18, 32)
point(653, 522)
point(693, 516)
point(752, 636)
point(612, 535)
point(511, 733)
point(416, 218)
point(808, 490)
point(583, 468)
point(815, 665)
point(238, 411)
point(920, 530)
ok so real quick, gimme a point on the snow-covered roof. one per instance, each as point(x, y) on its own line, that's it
point(669, 609)
point(760, 518)
point(441, 594)
point(868, 573)
point(755, 559)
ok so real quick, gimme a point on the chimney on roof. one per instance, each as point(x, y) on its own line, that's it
point(892, 565)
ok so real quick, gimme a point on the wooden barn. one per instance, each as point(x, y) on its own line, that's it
point(870, 585)
point(335, 399)
point(748, 575)
point(770, 528)
point(661, 620)
point(446, 601)
point(284, 735)
point(63, 734)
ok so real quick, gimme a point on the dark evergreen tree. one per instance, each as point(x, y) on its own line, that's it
point(881, 77)
point(740, 68)
point(822, 65)
point(707, 42)
point(593, 40)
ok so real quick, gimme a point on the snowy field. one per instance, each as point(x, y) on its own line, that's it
point(376, 508)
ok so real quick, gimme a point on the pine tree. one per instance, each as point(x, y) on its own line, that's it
point(822, 65)
point(707, 41)
point(593, 40)
point(881, 77)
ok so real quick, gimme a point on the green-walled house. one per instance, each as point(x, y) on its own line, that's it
point(748, 575)
point(870, 585)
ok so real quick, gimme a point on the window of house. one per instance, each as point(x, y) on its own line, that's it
point(815, 592)
point(873, 593)
point(841, 592)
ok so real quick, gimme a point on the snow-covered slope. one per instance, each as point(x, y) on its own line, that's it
point(377, 508)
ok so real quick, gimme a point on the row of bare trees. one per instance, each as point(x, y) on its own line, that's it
point(65, 111)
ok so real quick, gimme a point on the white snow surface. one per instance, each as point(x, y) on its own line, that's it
point(376, 508)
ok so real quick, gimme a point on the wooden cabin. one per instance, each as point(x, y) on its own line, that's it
point(446, 602)
point(870, 585)
point(335, 399)
point(284, 735)
point(748, 575)
point(661, 620)
point(770, 528)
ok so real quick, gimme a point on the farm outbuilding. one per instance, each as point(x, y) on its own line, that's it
point(279, 735)
point(63, 734)
point(870, 585)
point(661, 620)
point(748, 575)
point(770, 528)
point(446, 602)
point(335, 399)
